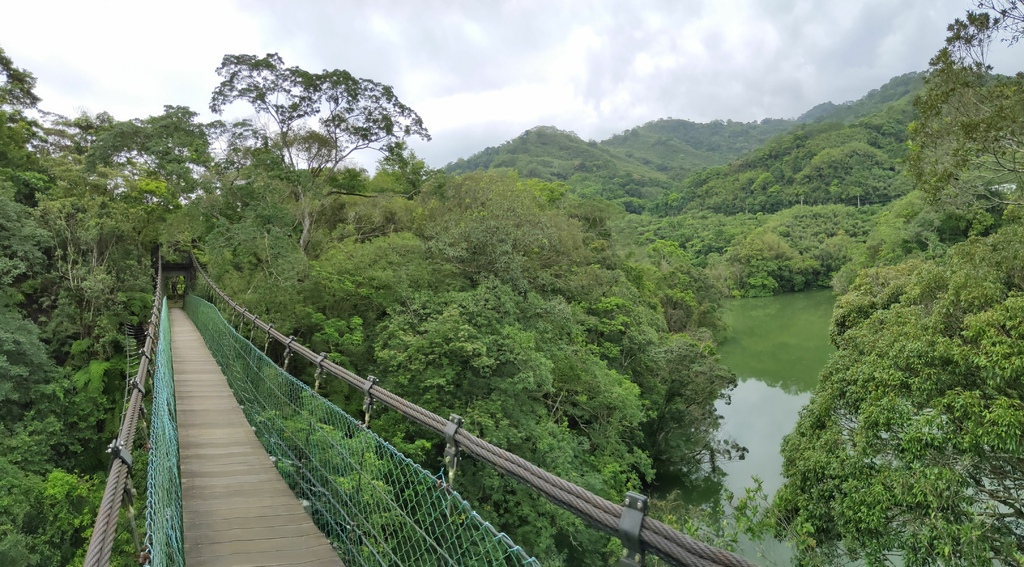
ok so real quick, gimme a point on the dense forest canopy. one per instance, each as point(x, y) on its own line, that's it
point(561, 295)
point(912, 443)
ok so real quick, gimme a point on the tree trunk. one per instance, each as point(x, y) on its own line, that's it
point(308, 218)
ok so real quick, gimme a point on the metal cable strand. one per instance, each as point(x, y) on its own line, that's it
point(604, 517)
point(504, 460)
point(655, 536)
point(105, 529)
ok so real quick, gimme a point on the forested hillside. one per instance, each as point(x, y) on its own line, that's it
point(828, 172)
point(74, 268)
point(632, 168)
point(898, 89)
point(662, 166)
point(911, 445)
point(561, 295)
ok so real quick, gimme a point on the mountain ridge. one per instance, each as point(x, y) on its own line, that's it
point(644, 164)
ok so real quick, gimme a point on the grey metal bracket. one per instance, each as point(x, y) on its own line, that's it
point(266, 345)
point(135, 385)
point(319, 371)
point(252, 330)
point(120, 452)
point(630, 523)
point(451, 450)
point(287, 352)
point(371, 381)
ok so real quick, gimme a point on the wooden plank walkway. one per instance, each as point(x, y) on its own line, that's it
point(237, 510)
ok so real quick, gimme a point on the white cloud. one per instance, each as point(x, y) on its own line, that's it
point(481, 72)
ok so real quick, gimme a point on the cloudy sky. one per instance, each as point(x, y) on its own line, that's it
point(479, 72)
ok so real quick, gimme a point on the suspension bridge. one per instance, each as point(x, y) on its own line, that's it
point(247, 465)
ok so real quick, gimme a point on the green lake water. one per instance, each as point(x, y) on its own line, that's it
point(777, 346)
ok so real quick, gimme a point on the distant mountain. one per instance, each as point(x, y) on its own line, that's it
point(901, 88)
point(550, 154)
point(661, 162)
point(854, 162)
point(634, 167)
point(680, 147)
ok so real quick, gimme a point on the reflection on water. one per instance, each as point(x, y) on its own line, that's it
point(759, 416)
point(781, 341)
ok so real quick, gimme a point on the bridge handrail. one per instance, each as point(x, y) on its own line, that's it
point(654, 536)
point(119, 480)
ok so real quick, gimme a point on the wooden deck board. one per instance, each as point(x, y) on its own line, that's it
point(237, 510)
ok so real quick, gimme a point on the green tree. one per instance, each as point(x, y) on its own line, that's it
point(402, 172)
point(491, 225)
point(316, 120)
point(515, 369)
point(680, 384)
point(160, 155)
point(912, 441)
point(17, 89)
point(968, 145)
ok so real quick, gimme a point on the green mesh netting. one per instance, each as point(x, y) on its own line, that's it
point(163, 480)
point(376, 506)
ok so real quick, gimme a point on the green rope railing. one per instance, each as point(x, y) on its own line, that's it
point(163, 482)
point(375, 505)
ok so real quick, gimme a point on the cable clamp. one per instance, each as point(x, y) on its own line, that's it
point(287, 352)
point(630, 523)
point(451, 450)
point(120, 452)
point(319, 371)
point(266, 345)
point(135, 385)
point(371, 381)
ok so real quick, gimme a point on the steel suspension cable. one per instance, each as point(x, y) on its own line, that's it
point(119, 479)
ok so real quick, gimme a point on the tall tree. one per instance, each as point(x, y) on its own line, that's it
point(968, 145)
point(161, 155)
point(317, 119)
point(17, 88)
point(18, 165)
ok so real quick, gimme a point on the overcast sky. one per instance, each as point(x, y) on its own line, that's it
point(480, 72)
